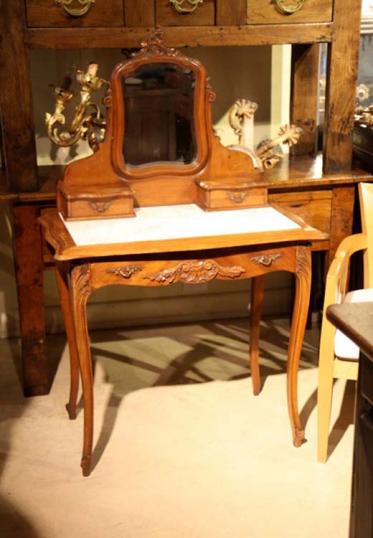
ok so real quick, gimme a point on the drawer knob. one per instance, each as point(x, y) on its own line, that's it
point(77, 11)
point(288, 7)
point(186, 6)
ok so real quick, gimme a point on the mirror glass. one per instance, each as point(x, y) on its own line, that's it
point(159, 115)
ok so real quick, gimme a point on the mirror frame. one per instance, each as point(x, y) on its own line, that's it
point(154, 52)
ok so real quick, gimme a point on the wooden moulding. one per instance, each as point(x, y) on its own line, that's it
point(95, 203)
point(215, 195)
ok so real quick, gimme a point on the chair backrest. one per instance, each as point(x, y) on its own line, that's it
point(366, 210)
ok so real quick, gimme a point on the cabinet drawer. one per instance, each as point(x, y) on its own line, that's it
point(203, 15)
point(289, 11)
point(313, 207)
point(55, 13)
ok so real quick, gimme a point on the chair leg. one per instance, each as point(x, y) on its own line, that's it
point(257, 295)
point(325, 389)
point(63, 288)
point(80, 291)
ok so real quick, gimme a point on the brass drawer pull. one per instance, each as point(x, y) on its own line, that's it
point(186, 6)
point(288, 7)
point(100, 207)
point(77, 11)
point(237, 197)
point(265, 260)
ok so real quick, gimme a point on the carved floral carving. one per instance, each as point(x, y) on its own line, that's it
point(155, 45)
point(267, 261)
point(195, 272)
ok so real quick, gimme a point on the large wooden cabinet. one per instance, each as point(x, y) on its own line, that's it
point(321, 189)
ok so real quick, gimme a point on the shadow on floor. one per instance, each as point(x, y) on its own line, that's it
point(12, 406)
point(226, 341)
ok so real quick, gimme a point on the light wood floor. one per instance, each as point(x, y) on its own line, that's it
point(183, 448)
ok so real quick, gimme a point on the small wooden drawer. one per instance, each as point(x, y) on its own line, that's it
point(112, 203)
point(314, 207)
point(168, 14)
point(62, 13)
point(214, 196)
point(289, 11)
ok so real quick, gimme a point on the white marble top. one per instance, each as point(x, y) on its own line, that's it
point(177, 222)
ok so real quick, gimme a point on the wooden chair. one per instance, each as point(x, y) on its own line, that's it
point(339, 356)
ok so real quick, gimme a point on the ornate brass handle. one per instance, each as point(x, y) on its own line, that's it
point(288, 7)
point(77, 11)
point(186, 6)
point(237, 197)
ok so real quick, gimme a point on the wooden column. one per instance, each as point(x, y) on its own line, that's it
point(305, 96)
point(16, 99)
point(340, 92)
point(29, 271)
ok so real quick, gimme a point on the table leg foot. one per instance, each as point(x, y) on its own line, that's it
point(86, 465)
point(298, 438)
point(71, 410)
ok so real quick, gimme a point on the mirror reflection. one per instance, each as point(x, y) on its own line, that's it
point(159, 115)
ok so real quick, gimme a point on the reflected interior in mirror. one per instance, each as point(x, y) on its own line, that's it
point(159, 115)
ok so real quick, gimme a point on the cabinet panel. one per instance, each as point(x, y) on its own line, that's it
point(230, 13)
point(314, 207)
point(203, 15)
point(139, 13)
point(289, 11)
point(55, 13)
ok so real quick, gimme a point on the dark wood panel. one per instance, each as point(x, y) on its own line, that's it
point(167, 15)
point(46, 38)
point(228, 12)
point(44, 13)
point(139, 13)
point(305, 96)
point(16, 100)
point(266, 12)
point(29, 270)
point(342, 79)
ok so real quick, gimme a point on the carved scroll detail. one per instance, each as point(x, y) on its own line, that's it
point(303, 261)
point(195, 272)
point(126, 271)
point(77, 11)
point(288, 7)
point(154, 44)
point(186, 6)
point(81, 280)
point(267, 261)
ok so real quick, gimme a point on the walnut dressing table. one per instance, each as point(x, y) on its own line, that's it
point(191, 211)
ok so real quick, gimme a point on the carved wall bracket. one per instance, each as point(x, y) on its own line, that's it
point(85, 6)
point(186, 6)
point(87, 124)
point(195, 272)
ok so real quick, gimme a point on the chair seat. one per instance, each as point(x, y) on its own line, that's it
point(344, 348)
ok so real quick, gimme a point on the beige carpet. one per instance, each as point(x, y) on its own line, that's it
point(183, 448)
